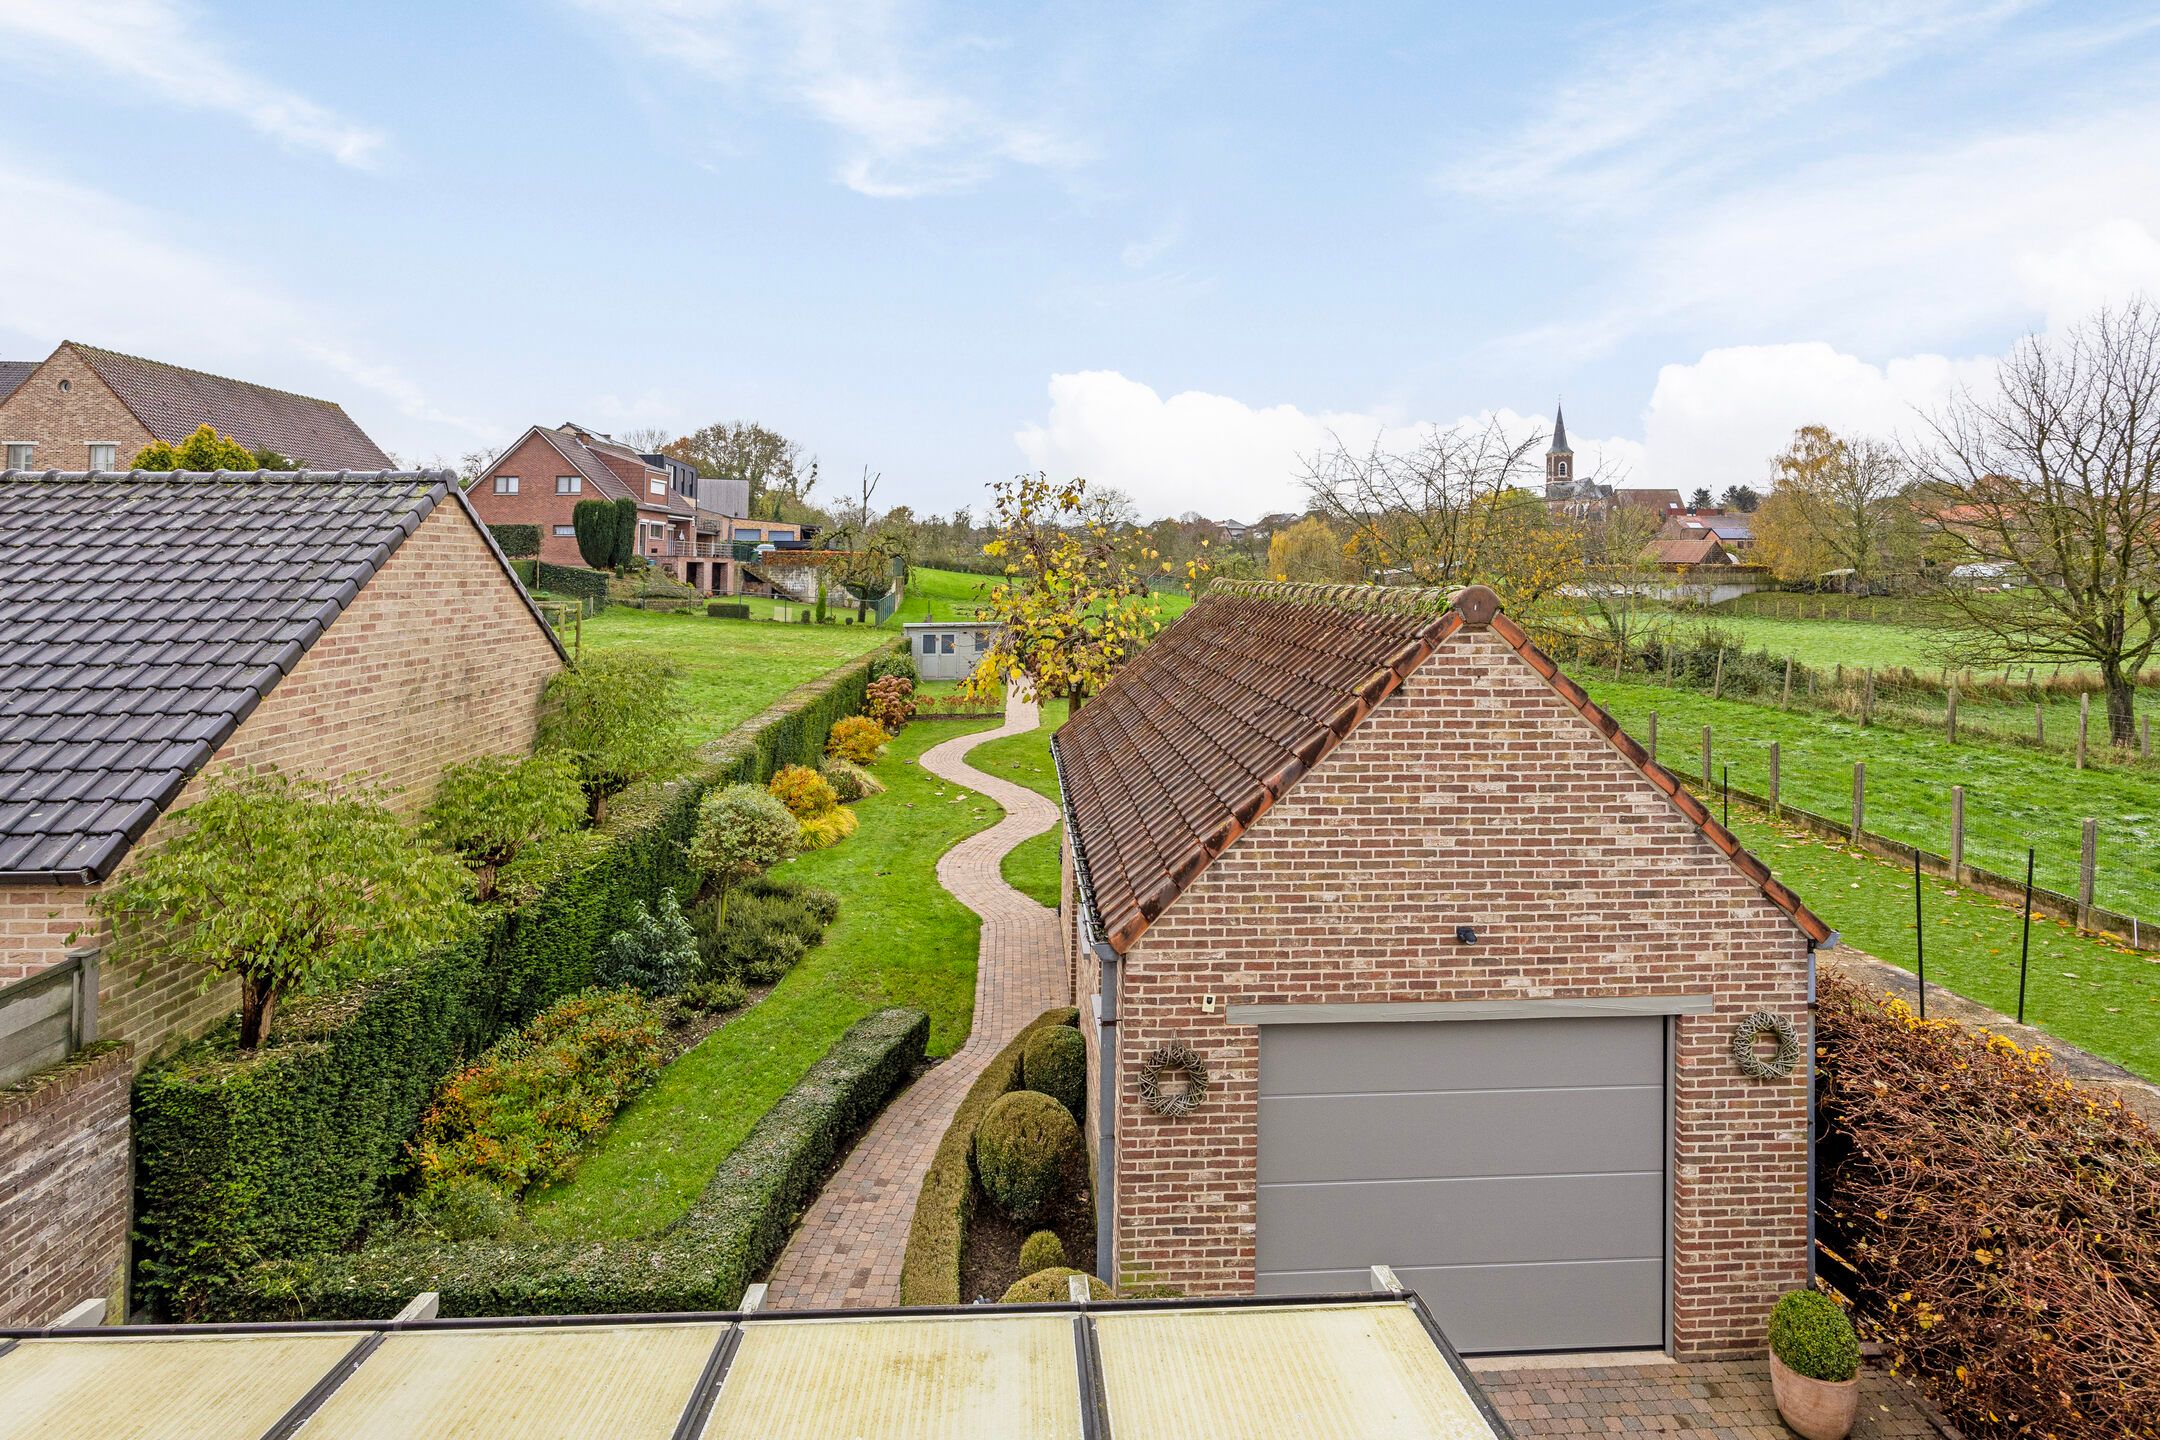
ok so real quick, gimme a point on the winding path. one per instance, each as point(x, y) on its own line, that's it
point(848, 1249)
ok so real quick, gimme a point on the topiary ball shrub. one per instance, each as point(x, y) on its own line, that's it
point(1026, 1149)
point(1809, 1332)
point(1047, 1287)
point(1041, 1251)
point(1055, 1062)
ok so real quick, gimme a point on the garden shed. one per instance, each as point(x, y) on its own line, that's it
point(949, 649)
point(1399, 951)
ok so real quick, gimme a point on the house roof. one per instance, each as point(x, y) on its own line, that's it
point(1241, 697)
point(146, 615)
point(1689, 550)
point(1654, 499)
point(171, 402)
point(12, 374)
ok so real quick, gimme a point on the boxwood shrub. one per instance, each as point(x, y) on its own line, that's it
point(1055, 1062)
point(1027, 1149)
point(728, 609)
point(1812, 1336)
point(702, 1261)
point(930, 1272)
point(296, 1149)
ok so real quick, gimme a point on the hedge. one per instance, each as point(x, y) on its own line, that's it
point(295, 1149)
point(516, 541)
point(588, 585)
point(728, 609)
point(702, 1261)
point(1998, 1219)
point(930, 1271)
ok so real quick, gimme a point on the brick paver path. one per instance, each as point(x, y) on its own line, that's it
point(1702, 1399)
point(848, 1249)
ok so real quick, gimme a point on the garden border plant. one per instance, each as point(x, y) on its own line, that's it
point(293, 1150)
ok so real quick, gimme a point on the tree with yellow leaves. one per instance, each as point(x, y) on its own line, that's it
point(1074, 603)
point(1308, 550)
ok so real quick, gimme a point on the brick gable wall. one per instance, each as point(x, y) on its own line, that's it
point(436, 660)
point(64, 425)
point(536, 463)
point(1474, 795)
point(64, 1187)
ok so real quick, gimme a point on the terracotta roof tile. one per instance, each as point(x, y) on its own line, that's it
point(1237, 700)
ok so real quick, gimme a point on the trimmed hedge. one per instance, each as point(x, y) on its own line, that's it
point(516, 541)
point(702, 1261)
point(1055, 1062)
point(294, 1150)
point(1026, 1150)
point(727, 609)
point(587, 585)
point(1051, 1287)
point(930, 1271)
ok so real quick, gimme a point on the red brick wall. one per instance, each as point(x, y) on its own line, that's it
point(536, 463)
point(64, 1186)
point(436, 660)
point(1474, 795)
point(64, 425)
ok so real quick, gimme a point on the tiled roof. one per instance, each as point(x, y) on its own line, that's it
point(1243, 695)
point(597, 474)
point(1689, 550)
point(171, 402)
point(12, 374)
point(143, 617)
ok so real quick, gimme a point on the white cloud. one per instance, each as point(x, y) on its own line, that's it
point(154, 45)
point(1224, 458)
point(1144, 252)
point(901, 103)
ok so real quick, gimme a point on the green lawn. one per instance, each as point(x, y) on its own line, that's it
point(731, 669)
point(946, 594)
point(2094, 994)
point(900, 939)
point(2013, 797)
point(1032, 866)
point(1857, 644)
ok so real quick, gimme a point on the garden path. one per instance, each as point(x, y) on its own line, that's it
point(848, 1249)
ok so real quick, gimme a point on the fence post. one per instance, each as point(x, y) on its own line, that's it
point(1859, 798)
point(1785, 699)
point(1717, 680)
point(1957, 835)
point(2086, 866)
point(1653, 737)
point(2039, 725)
point(2084, 723)
point(1867, 705)
point(1950, 715)
point(1773, 779)
point(1706, 754)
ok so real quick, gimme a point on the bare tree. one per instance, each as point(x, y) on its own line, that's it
point(648, 439)
point(2050, 479)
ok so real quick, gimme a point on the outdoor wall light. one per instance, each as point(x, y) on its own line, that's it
point(1464, 935)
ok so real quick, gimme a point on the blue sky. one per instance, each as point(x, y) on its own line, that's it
point(1169, 246)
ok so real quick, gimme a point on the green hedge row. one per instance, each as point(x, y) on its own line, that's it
point(930, 1271)
point(702, 1261)
point(517, 541)
point(728, 609)
point(587, 585)
point(295, 1149)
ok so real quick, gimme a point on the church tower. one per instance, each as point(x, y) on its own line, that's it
point(1559, 460)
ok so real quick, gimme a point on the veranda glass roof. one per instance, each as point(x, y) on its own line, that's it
point(1231, 1370)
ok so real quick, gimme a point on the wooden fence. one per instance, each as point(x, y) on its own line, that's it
point(48, 1016)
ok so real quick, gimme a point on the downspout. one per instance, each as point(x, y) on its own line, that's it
point(1105, 1003)
point(1814, 1108)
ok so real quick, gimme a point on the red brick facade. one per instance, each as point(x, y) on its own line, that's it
point(535, 464)
point(64, 1186)
point(436, 660)
point(1473, 795)
point(64, 424)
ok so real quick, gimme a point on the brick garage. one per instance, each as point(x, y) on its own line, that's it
point(1283, 810)
point(328, 626)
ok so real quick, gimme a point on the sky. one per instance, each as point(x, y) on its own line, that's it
point(1173, 247)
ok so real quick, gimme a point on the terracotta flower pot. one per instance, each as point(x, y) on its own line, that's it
point(1815, 1409)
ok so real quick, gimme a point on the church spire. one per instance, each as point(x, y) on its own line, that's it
point(1559, 432)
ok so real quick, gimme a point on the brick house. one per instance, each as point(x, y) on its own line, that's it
point(682, 525)
point(1463, 968)
point(294, 620)
point(82, 408)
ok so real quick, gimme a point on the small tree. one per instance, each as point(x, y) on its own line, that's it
point(287, 884)
point(612, 714)
point(1839, 504)
point(742, 832)
point(594, 523)
point(208, 450)
point(626, 523)
point(485, 811)
point(1308, 550)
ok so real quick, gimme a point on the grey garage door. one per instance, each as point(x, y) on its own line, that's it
point(1511, 1171)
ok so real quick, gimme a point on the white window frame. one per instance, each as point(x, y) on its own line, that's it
point(656, 487)
point(109, 445)
point(566, 532)
point(506, 484)
point(28, 447)
point(569, 484)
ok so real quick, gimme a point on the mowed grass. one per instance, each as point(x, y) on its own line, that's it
point(731, 669)
point(2014, 797)
point(900, 939)
point(949, 594)
point(1031, 867)
point(1825, 644)
point(2088, 991)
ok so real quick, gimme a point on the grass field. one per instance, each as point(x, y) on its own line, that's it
point(900, 939)
point(1825, 643)
point(1032, 866)
point(731, 669)
point(2013, 797)
point(946, 594)
point(2094, 994)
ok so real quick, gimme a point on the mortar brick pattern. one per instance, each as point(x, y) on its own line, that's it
point(64, 1178)
point(64, 424)
point(1475, 794)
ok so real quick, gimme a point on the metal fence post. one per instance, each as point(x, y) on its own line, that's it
point(1867, 705)
point(1706, 754)
point(2039, 725)
point(1950, 715)
point(2084, 724)
point(1773, 779)
point(1859, 797)
point(1957, 835)
point(2085, 873)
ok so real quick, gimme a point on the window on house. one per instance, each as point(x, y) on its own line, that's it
point(569, 484)
point(506, 484)
point(104, 457)
point(18, 455)
point(750, 535)
point(567, 532)
point(982, 641)
point(945, 647)
point(657, 487)
point(929, 644)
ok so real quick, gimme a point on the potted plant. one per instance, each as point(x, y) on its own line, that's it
point(1814, 1365)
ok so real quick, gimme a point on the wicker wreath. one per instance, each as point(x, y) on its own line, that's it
point(1750, 1058)
point(1174, 1058)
